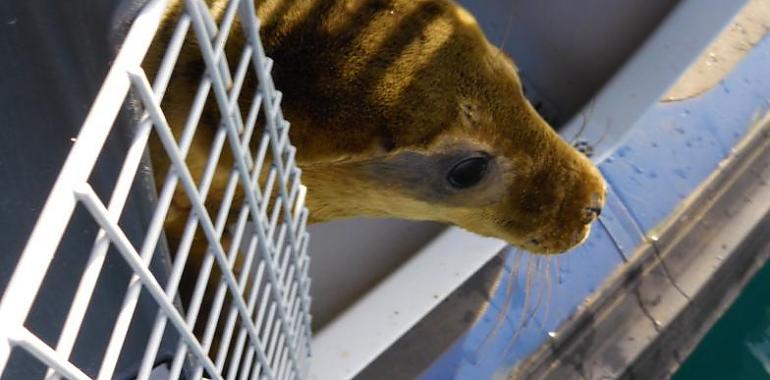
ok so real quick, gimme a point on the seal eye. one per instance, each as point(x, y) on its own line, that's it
point(467, 172)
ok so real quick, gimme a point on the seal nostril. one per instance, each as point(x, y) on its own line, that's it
point(595, 208)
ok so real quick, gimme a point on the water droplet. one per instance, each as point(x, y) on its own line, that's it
point(680, 173)
point(622, 152)
point(652, 238)
point(638, 170)
point(686, 112)
point(552, 334)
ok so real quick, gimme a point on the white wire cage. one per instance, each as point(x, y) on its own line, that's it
point(255, 323)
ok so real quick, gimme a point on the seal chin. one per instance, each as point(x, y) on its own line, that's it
point(544, 247)
point(582, 237)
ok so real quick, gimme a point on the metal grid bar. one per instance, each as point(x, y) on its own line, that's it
point(88, 197)
point(38, 253)
point(98, 253)
point(57, 362)
point(262, 63)
point(121, 330)
point(268, 237)
point(165, 200)
point(132, 297)
point(221, 97)
point(213, 236)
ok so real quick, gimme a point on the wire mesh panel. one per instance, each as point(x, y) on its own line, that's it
point(244, 312)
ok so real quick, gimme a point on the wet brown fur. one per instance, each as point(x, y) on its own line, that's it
point(375, 91)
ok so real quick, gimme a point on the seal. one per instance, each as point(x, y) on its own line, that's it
point(399, 109)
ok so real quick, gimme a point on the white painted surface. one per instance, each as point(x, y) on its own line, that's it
point(371, 325)
point(349, 257)
point(650, 71)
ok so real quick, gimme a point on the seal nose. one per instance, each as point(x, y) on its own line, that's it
point(595, 208)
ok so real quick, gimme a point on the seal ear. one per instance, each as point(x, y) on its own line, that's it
point(469, 113)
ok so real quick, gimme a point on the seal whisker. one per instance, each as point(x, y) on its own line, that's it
point(586, 118)
point(539, 289)
point(549, 287)
point(509, 293)
point(524, 318)
point(507, 31)
point(603, 135)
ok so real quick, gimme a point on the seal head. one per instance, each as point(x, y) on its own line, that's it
point(448, 134)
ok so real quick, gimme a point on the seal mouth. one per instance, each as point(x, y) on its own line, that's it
point(541, 246)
